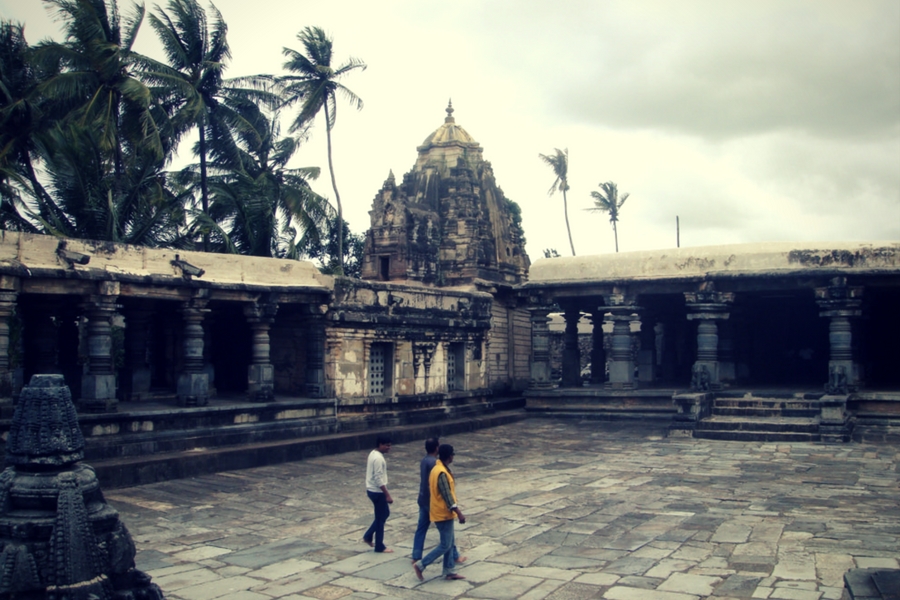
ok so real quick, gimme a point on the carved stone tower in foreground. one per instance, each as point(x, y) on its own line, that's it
point(447, 223)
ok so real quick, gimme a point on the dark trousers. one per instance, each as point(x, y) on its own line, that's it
point(376, 529)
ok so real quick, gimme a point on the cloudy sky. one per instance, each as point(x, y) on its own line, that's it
point(751, 121)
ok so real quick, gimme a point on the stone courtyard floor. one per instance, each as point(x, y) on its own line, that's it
point(556, 509)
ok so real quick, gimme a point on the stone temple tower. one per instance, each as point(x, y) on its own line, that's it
point(447, 223)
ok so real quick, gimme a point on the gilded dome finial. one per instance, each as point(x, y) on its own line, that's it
point(450, 118)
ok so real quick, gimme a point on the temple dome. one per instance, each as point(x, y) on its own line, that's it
point(448, 134)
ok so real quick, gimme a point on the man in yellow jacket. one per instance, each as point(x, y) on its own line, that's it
point(443, 511)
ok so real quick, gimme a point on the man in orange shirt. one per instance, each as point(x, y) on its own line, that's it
point(443, 511)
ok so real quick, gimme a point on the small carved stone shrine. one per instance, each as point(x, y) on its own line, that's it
point(447, 223)
point(59, 539)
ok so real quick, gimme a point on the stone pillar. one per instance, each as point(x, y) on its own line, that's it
point(571, 359)
point(540, 348)
point(9, 287)
point(706, 307)
point(598, 351)
point(98, 385)
point(840, 302)
point(193, 382)
point(315, 352)
point(727, 371)
point(8, 299)
point(135, 377)
point(260, 373)
point(621, 311)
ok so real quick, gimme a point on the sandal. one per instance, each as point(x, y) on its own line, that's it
point(454, 577)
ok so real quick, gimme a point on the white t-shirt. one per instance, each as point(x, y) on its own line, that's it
point(376, 472)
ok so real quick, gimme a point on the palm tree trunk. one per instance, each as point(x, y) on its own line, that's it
point(204, 191)
point(616, 235)
point(568, 229)
point(337, 197)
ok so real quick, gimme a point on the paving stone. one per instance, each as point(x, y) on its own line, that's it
point(628, 593)
point(792, 594)
point(872, 562)
point(575, 591)
point(737, 586)
point(179, 581)
point(634, 511)
point(220, 588)
point(699, 585)
point(506, 586)
point(283, 569)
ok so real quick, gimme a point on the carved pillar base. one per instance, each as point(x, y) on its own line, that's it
point(261, 383)
point(98, 393)
point(692, 408)
point(193, 389)
point(835, 425)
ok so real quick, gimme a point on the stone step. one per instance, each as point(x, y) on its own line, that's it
point(756, 436)
point(765, 412)
point(772, 403)
point(762, 424)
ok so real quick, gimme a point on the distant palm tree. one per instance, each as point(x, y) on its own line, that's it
point(314, 83)
point(609, 201)
point(559, 162)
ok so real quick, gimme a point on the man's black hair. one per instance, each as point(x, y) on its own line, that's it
point(431, 444)
point(445, 451)
point(382, 439)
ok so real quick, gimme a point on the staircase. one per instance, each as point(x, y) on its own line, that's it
point(758, 419)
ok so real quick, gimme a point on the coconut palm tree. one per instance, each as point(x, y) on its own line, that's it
point(136, 206)
point(19, 121)
point(559, 162)
point(263, 207)
point(90, 78)
point(192, 84)
point(609, 201)
point(314, 82)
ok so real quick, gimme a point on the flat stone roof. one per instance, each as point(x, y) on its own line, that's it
point(31, 255)
point(776, 258)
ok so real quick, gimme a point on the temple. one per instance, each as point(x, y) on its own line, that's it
point(447, 223)
point(168, 352)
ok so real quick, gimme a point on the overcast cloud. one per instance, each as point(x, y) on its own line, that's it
point(752, 121)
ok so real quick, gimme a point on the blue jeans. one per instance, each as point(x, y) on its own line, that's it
point(376, 529)
point(421, 531)
point(445, 549)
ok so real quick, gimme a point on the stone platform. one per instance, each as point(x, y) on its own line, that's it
point(561, 509)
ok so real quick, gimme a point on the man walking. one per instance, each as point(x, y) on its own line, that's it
point(376, 489)
point(424, 502)
point(443, 510)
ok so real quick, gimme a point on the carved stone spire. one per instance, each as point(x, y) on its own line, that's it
point(449, 118)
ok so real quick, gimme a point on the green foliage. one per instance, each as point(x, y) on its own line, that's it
point(88, 126)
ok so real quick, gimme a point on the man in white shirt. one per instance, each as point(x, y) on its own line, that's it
point(376, 489)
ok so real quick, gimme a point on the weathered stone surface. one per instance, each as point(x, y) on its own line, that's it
point(58, 536)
